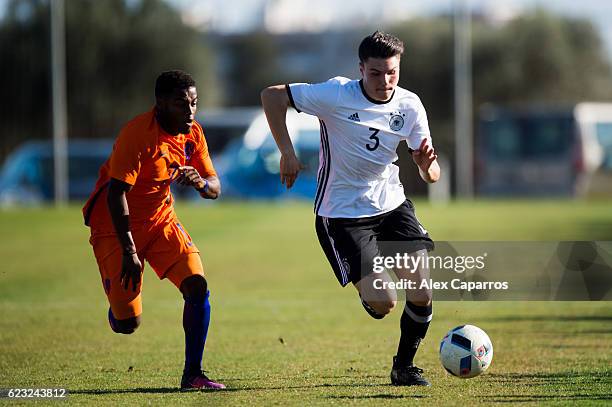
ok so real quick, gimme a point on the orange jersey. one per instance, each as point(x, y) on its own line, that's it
point(146, 157)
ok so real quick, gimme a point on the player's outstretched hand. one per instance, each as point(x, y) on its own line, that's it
point(424, 156)
point(290, 167)
point(131, 270)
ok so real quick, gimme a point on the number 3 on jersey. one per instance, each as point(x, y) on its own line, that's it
point(373, 138)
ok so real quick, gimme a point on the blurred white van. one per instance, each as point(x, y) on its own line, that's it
point(249, 167)
point(545, 151)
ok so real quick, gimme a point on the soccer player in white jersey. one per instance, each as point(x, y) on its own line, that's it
point(360, 201)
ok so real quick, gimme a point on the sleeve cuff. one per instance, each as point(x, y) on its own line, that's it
point(288, 88)
point(128, 179)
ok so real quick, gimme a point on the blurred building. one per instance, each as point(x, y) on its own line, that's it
point(290, 16)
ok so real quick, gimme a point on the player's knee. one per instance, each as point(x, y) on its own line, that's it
point(194, 287)
point(423, 300)
point(383, 307)
point(126, 326)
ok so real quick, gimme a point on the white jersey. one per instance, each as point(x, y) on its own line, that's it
point(359, 138)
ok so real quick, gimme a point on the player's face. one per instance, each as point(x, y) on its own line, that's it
point(380, 76)
point(177, 111)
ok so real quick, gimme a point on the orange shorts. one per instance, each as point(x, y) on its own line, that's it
point(167, 248)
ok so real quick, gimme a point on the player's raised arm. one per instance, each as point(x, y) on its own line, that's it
point(275, 101)
point(427, 160)
point(131, 267)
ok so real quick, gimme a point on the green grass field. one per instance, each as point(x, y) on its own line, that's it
point(283, 331)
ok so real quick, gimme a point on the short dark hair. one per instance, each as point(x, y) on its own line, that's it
point(169, 81)
point(380, 45)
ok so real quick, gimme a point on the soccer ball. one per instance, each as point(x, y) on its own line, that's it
point(466, 351)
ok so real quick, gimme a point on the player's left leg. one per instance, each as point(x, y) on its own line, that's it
point(174, 256)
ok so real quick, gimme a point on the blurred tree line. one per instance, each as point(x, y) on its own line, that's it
point(115, 49)
point(535, 58)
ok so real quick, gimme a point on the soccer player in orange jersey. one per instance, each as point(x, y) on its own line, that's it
point(132, 218)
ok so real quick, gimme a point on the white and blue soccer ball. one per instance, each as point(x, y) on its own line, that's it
point(466, 351)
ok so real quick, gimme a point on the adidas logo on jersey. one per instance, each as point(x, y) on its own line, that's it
point(354, 117)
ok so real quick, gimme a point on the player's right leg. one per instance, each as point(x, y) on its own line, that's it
point(378, 302)
point(123, 326)
point(402, 225)
point(188, 276)
point(124, 313)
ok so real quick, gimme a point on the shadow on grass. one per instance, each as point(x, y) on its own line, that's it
point(379, 396)
point(164, 390)
point(143, 390)
point(318, 377)
point(523, 398)
point(604, 319)
point(557, 378)
point(550, 318)
point(551, 378)
point(578, 380)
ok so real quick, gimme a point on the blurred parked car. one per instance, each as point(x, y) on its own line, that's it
point(222, 126)
point(545, 151)
point(27, 174)
point(249, 167)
